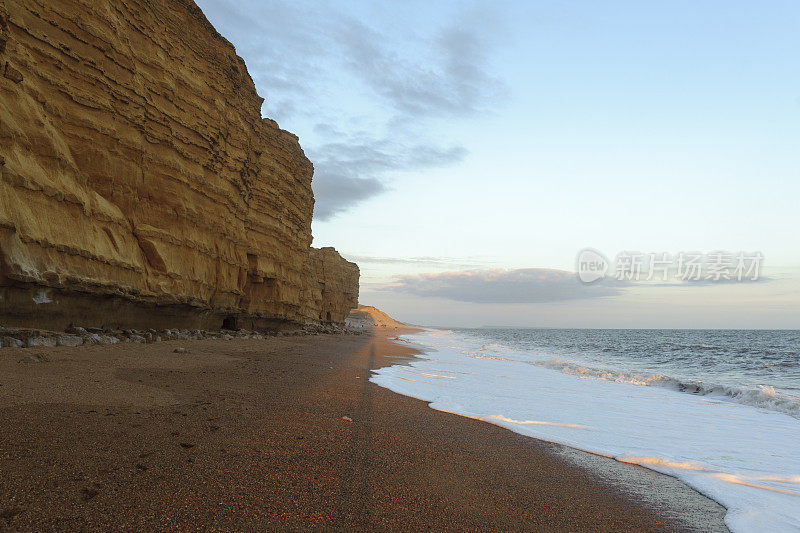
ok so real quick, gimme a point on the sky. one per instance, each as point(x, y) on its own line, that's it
point(466, 152)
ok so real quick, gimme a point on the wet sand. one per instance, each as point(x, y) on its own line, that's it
point(288, 433)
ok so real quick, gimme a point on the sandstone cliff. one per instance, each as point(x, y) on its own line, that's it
point(139, 184)
point(368, 317)
point(335, 286)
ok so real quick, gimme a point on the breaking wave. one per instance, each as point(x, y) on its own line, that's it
point(764, 397)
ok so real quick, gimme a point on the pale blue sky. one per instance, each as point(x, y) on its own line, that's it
point(512, 134)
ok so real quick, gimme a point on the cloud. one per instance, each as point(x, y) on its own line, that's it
point(448, 262)
point(524, 285)
point(335, 193)
point(348, 173)
point(453, 82)
point(361, 96)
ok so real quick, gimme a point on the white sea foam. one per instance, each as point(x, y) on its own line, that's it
point(744, 456)
point(761, 396)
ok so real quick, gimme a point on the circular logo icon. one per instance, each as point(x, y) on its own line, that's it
point(591, 265)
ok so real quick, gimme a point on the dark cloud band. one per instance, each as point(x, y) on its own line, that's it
point(524, 285)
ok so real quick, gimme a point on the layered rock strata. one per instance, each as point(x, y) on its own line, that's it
point(139, 185)
point(334, 286)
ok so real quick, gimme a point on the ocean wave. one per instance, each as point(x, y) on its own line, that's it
point(742, 458)
point(764, 397)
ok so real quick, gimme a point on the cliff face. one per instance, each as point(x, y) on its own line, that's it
point(139, 185)
point(334, 290)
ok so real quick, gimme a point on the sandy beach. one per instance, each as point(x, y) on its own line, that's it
point(288, 432)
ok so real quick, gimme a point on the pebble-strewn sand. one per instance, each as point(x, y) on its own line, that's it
point(287, 432)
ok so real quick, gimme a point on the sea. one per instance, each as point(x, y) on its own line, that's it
point(717, 409)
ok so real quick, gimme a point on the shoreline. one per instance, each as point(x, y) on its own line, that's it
point(645, 483)
point(289, 432)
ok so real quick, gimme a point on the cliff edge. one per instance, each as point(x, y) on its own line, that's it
point(139, 184)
